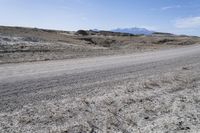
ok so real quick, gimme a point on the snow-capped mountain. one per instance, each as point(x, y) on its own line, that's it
point(136, 31)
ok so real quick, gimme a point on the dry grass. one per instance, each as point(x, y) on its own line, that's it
point(26, 44)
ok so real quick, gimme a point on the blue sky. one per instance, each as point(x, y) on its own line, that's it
point(176, 16)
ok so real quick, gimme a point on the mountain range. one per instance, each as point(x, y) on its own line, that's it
point(135, 30)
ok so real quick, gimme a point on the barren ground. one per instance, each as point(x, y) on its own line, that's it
point(28, 45)
point(153, 91)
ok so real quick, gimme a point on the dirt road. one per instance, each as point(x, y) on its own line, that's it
point(57, 84)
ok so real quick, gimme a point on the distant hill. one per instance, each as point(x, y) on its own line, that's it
point(136, 31)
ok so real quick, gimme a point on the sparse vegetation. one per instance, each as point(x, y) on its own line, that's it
point(26, 44)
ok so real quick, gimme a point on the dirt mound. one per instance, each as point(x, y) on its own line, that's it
point(104, 42)
point(82, 32)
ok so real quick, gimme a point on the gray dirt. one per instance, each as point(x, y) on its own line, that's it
point(140, 93)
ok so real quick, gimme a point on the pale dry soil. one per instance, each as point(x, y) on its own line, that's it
point(156, 92)
point(159, 103)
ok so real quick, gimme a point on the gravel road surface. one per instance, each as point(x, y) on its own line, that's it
point(29, 91)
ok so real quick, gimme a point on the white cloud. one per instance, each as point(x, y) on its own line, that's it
point(170, 7)
point(190, 22)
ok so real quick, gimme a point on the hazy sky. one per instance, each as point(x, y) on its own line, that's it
point(176, 16)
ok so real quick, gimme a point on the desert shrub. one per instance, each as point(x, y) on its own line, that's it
point(164, 41)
